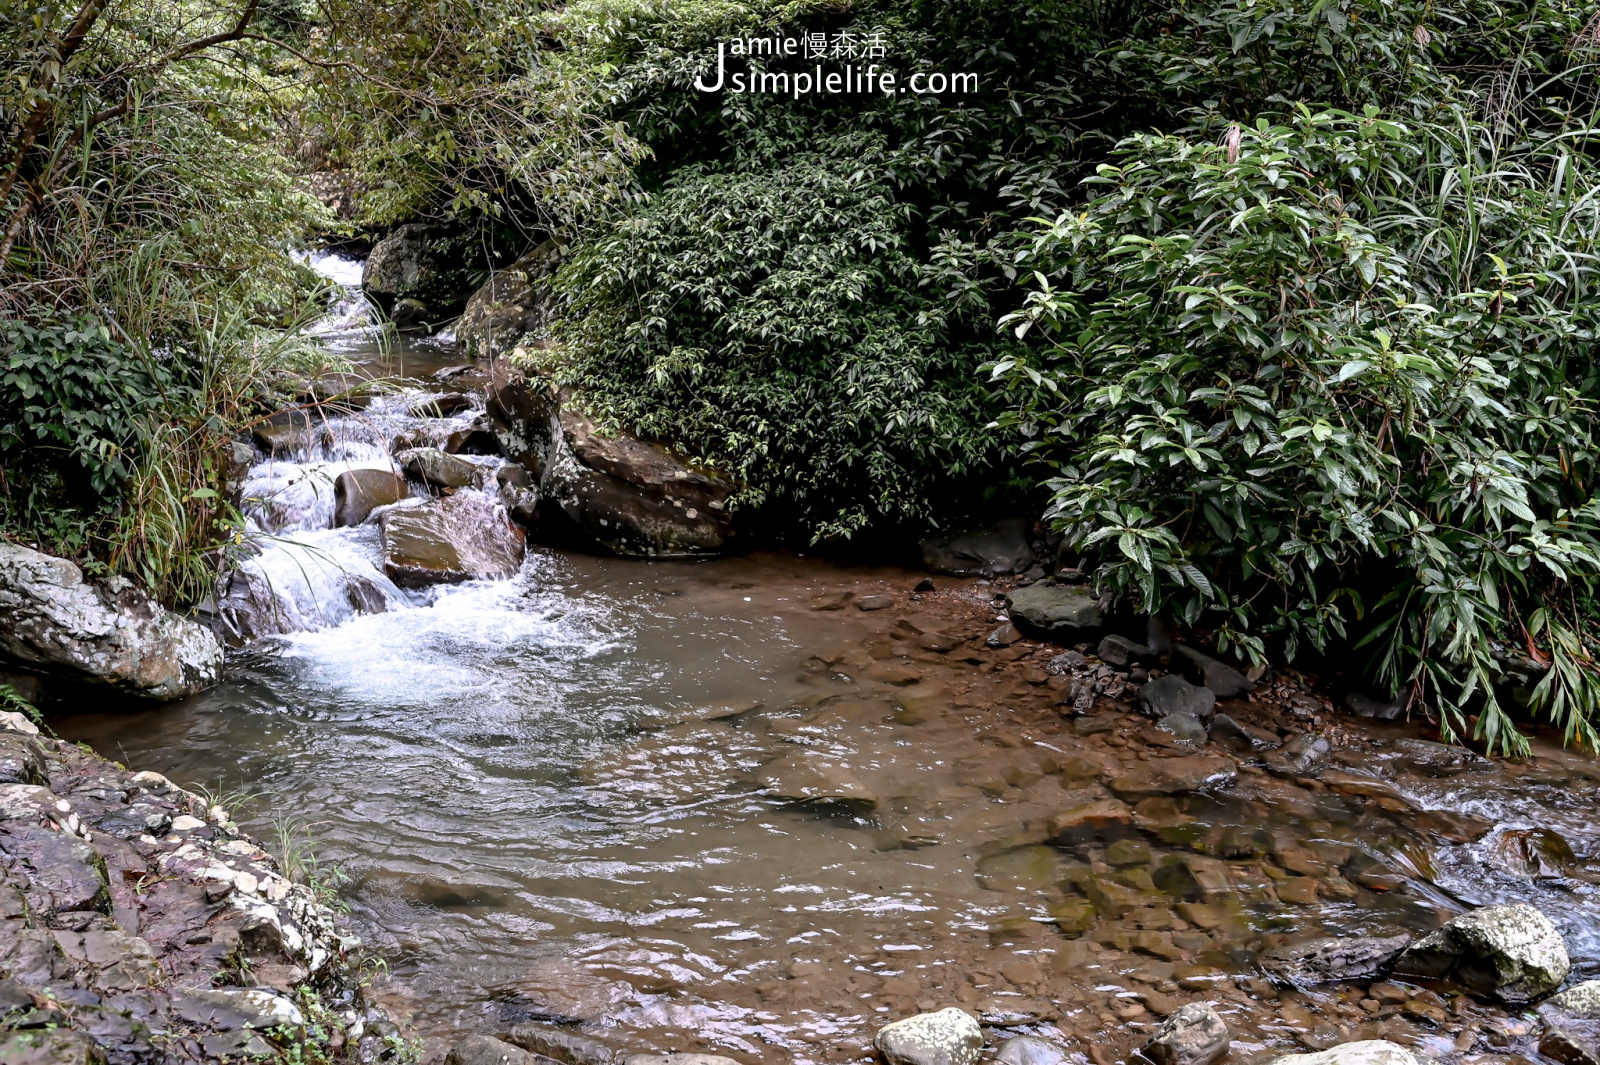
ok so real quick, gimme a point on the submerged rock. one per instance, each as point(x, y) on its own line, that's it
point(1535, 853)
point(106, 633)
point(1184, 728)
point(444, 541)
point(677, 1059)
point(1301, 756)
point(948, 1037)
point(1054, 611)
point(357, 493)
point(514, 302)
point(1032, 1050)
point(810, 776)
point(1175, 776)
point(1194, 1034)
point(991, 551)
point(1365, 1052)
point(1512, 953)
point(1333, 959)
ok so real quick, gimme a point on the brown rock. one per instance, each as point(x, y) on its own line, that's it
point(1090, 820)
point(357, 493)
point(1176, 776)
point(446, 541)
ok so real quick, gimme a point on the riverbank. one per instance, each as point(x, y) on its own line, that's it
point(761, 806)
point(138, 923)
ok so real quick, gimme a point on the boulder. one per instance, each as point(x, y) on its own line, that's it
point(443, 541)
point(987, 552)
point(106, 633)
point(357, 493)
point(1365, 1052)
point(1120, 651)
point(948, 1037)
point(1222, 679)
point(1333, 959)
point(1512, 953)
point(1191, 1035)
point(1175, 776)
point(629, 496)
point(442, 470)
point(514, 302)
point(421, 264)
point(1054, 611)
point(1185, 728)
point(1172, 694)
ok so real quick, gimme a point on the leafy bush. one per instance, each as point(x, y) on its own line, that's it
point(1329, 379)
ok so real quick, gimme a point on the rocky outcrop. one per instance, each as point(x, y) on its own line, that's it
point(418, 275)
point(515, 302)
point(137, 923)
point(992, 551)
point(1512, 953)
point(106, 633)
point(1057, 612)
point(357, 493)
point(631, 497)
point(462, 537)
point(948, 1037)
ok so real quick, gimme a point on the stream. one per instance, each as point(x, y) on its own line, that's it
point(579, 795)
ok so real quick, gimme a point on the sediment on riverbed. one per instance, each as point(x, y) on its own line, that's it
point(138, 923)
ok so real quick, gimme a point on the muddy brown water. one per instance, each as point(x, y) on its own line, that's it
point(572, 797)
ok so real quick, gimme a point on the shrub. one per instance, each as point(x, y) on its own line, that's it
point(1328, 379)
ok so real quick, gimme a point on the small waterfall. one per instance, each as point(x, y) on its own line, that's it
point(303, 573)
point(350, 315)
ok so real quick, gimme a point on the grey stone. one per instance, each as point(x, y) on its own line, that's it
point(1186, 728)
point(1066, 662)
point(357, 493)
point(992, 551)
point(1117, 650)
point(514, 302)
point(422, 265)
point(1365, 1052)
point(1055, 611)
point(1302, 756)
point(486, 1050)
point(289, 434)
point(1580, 1000)
point(1364, 705)
point(445, 541)
point(1031, 1050)
point(442, 470)
point(21, 759)
point(230, 1009)
point(1222, 679)
point(948, 1037)
point(560, 1044)
point(1172, 694)
point(1332, 959)
point(107, 633)
point(518, 494)
point(1512, 953)
point(1192, 1035)
point(47, 1046)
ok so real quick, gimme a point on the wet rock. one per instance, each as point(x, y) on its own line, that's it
point(1193, 877)
point(1100, 819)
point(810, 776)
point(1065, 663)
point(677, 1059)
point(558, 1044)
point(1193, 1035)
point(438, 405)
point(874, 602)
point(1437, 759)
point(1216, 676)
point(514, 302)
point(1363, 705)
point(1535, 854)
point(487, 1050)
point(1175, 776)
point(518, 494)
point(1366, 1052)
point(1031, 1050)
point(442, 470)
point(289, 433)
point(1004, 636)
point(1120, 651)
point(357, 493)
point(1228, 732)
point(445, 541)
point(106, 633)
point(628, 496)
point(1054, 611)
point(988, 552)
point(231, 1009)
point(948, 1037)
point(1571, 1041)
point(471, 441)
point(1302, 756)
point(1172, 694)
point(21, 759)
point(424, 265)
point(1580, 1000)
point(1184, 728)
point(1333, 959)
point(1512, 953)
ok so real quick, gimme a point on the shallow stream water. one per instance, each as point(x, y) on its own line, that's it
point(578, 796)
